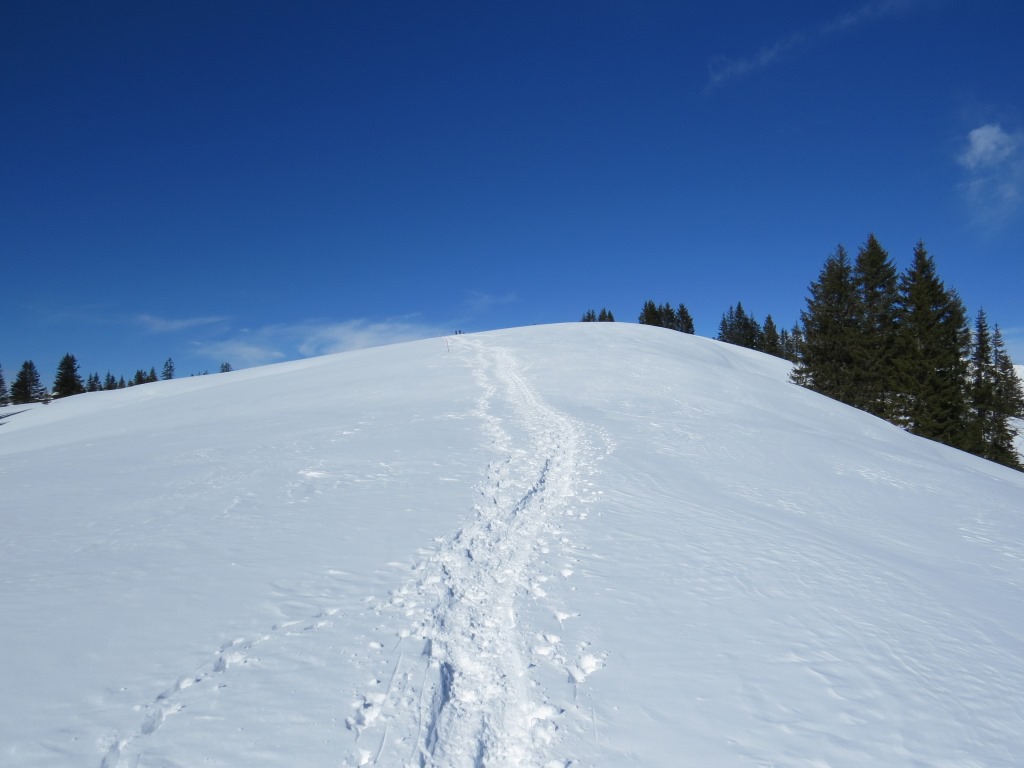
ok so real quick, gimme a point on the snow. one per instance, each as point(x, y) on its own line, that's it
point(595, 544)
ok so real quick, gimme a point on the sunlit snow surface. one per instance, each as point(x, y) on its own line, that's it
point(593, 544)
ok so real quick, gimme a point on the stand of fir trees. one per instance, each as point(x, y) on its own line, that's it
point(898, 346)
point(742, 329)
point(604, 316)
point(5, 395)
point(665, 316)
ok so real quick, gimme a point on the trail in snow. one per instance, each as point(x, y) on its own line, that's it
point(463, 684)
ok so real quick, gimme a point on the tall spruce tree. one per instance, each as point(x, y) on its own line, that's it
point(825, 358)
point(1008, 397)
point(771, 340)
point(27, 386)
point(5, 395)
point(68, 381)
point(932, 341)
point(873, 347)
point(982, 416)
point(684, 321)
point(168, 371)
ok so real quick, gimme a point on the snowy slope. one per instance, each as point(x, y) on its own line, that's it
point(587, 545)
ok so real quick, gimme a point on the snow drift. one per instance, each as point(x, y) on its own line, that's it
point(593, 544)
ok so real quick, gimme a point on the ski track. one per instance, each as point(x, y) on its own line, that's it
point(460, 689)
point(460, 686)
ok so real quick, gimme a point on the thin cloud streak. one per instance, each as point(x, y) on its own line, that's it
point(723, 69)
point(163, 325)
point(276, 343)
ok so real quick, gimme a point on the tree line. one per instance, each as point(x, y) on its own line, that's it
point(28, 386)
point(898, 346)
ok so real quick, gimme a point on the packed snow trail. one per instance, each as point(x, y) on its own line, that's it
point(461, 688)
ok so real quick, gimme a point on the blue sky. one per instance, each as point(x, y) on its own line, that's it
point(252, 181)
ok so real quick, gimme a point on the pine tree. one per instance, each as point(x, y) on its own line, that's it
point(168, 372)
point(605, 316)
point(92, 384)
point(932, 346)
point(873, 346)
point(226, 368)
point(771, 340)
point(589, 316)
point(5, 395)
point(981, 426)
point(27, 387)
point(825, 362)
point(684, 322)
point(1008, 397)
point(67, 382)
point(650, 315)
point(109, 382)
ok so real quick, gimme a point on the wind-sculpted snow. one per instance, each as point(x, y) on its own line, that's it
point(596, 544)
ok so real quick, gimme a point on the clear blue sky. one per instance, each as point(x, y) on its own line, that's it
point(259, 181)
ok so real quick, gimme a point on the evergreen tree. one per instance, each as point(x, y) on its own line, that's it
point(5, 395)
point(168, 372)
point(92, 384)
point(140, 377)
point(589, 316)
point(225, 367)
point(121, 384)
point(932, 347)
point(67, 382)
point(684, 322)
point(981, 426)
point(109, 382)
point(650, 315)
point(825, 361)
point(605, 316)
point(873, 346)
point(27, 387)
point(771, 339)
point(1008, 397)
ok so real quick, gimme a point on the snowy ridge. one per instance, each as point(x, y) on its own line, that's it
point(475, 703)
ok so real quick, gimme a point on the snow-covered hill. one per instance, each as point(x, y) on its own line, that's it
point(594, 544)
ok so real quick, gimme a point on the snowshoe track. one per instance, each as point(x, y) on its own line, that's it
point(467, 695)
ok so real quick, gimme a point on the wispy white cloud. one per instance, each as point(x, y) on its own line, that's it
point(993, 163)
point(722, 69)
point(165, 325)
point(274, 343)
point(359, 334)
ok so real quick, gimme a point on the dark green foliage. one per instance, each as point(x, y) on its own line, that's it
point(109, 382)
point(789, 342)
point(168, 372)
point(67, 382)
point(605, 316)
point(737, 327)
point(932, 342)
point(771, 341)
point(994, 398)
point(225, 367)
point(829, 323)
point(27, 387)
point(92, 384)
point(590, 316)
point(665, 316)
point(873, 345)
point(5, 395)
